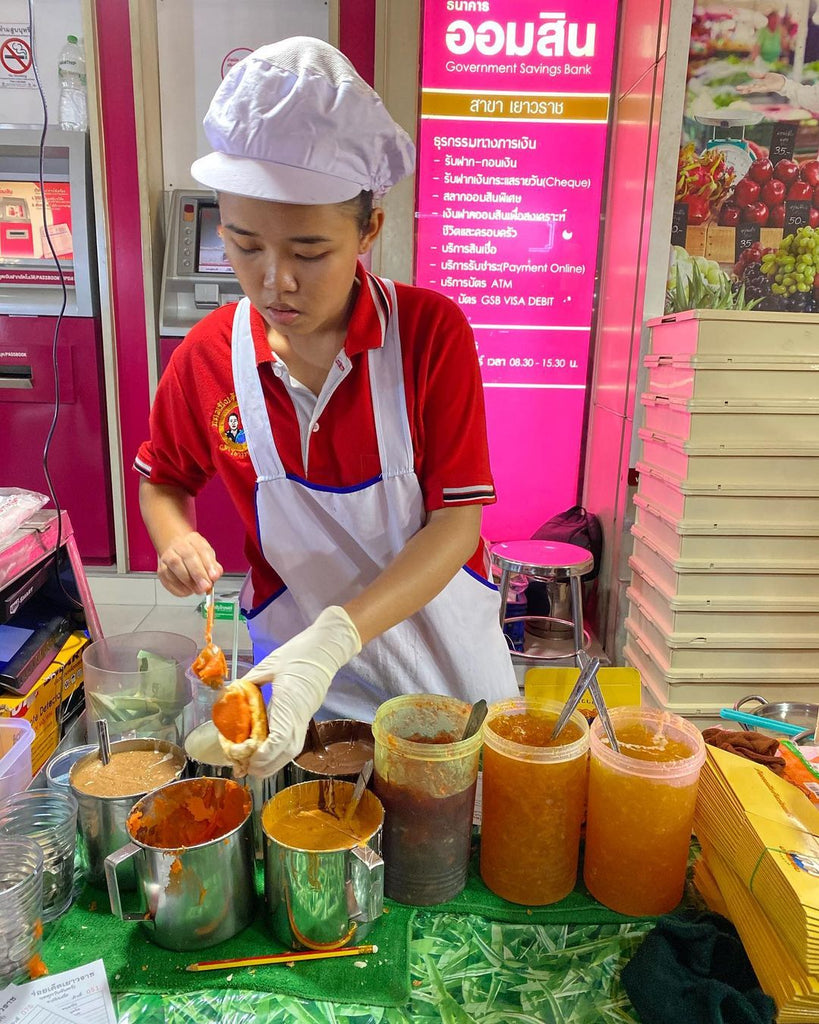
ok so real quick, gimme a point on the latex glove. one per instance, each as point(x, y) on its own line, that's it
point(301, 671)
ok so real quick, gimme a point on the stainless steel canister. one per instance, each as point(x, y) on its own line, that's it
point(206, 758)
point(102, 818)
point(197, 895)
point(333, 732)
point(329, 898)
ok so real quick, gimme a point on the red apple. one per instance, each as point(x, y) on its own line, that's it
point(776, 216)
point(801, 191)
point(787, 171)
point(761, 171)
point(746, 192)
point(809, 172)
point(813, 217)
point(773, 192)
point(756, 213)
point(730, 215)
point(815, 199)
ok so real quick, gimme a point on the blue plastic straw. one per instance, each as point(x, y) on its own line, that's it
point(788, 728)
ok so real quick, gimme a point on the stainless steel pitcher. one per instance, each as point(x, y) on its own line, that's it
point(323, 899)
point(195, 896)
point(101, 819)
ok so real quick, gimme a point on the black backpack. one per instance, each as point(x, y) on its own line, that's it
point(574, 526)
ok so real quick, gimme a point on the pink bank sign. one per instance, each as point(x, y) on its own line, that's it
point(511, 156)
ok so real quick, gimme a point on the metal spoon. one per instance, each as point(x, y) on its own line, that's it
point(358, 792)
point(104, 740)
point(475, 720)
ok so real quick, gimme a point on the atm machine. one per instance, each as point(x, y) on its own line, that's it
point(196, 278)
point(30, 300)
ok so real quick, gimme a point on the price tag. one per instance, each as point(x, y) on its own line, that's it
point(746, 235)
point(783, 139)
point(797, 215)
point(679, 224)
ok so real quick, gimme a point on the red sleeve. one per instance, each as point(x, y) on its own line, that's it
point(178, 452)
point(447, 407)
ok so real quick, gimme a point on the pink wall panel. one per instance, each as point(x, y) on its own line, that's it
point(640, 42)
point(125, 255)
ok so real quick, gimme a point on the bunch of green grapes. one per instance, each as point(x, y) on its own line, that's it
point(795, 263)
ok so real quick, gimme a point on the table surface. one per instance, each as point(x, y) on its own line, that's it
point(463, 969)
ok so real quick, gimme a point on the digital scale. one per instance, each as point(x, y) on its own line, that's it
point(736, 150)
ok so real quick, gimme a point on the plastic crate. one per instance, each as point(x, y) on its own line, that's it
point(701, 539)
point(700, 465)
point(732, 421)
point(730, 579)
point(731, 332)
point(16, 738)
point(770, 378)
point(722, 615)
point(688, 691)
point(730, 503)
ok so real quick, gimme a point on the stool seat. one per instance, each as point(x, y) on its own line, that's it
point(542, 559)
point(547, 562)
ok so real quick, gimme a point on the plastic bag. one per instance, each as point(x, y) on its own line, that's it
point(16, 505)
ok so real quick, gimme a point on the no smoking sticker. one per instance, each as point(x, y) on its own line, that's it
point(15, 56)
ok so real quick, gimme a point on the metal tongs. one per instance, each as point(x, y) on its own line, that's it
point(587, 680)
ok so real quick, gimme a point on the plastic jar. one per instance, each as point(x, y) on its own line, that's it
point(641, 809)
point(425, 777)
point(534, 797)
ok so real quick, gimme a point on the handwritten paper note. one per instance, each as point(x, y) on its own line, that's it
point(80, 996)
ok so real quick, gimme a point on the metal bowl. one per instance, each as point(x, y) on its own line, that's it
point(795, 712)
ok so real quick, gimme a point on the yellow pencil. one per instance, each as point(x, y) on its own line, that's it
point(280, 958)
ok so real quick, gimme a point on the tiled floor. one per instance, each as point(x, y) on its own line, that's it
point(126, 604)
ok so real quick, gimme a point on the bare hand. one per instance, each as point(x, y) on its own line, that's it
point(763, 81)
point(188, 566)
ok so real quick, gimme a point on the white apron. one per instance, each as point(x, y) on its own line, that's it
point(327, 544)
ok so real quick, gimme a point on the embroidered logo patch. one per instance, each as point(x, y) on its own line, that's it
point(227, 421)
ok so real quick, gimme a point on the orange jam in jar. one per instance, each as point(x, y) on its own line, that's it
point(641, 808)
point(534, 797)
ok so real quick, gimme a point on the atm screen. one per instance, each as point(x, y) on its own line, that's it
point(210, 250)
point(23, 235)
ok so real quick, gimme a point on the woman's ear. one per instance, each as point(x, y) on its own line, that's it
point(372, 232)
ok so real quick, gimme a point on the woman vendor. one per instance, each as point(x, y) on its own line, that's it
point(358, 459)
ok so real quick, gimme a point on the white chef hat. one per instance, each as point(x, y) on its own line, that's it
point(294, 122)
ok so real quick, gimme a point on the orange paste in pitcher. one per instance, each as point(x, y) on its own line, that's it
point(639, 829)
point(532, 811)
point(190, 814)
point(325, 826)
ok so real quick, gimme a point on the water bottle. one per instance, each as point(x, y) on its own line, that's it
point(515, 610)
point(73, 108)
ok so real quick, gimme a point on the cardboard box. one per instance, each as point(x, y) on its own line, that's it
point(720, 242)
point(42, 705)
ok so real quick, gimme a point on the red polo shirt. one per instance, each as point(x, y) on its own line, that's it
point(196, 426)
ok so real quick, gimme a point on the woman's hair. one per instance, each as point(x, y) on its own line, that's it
point(361, 208)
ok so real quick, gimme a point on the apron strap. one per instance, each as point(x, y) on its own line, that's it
point(248, 386)
point(389, 396)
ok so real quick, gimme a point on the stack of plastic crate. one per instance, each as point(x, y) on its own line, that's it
point(724, 597)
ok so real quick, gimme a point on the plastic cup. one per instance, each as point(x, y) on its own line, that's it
point(136, 702)
point(641, 810)
point(56, 773)
point(534, 798)
point(425, 777)
point(50, 819)
point(21, 906)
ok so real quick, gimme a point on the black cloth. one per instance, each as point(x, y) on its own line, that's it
point(691, 967)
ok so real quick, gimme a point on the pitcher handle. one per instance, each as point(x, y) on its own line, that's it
point(367, 883)
point(112, 862)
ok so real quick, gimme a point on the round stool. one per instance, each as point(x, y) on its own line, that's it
point(544, 561)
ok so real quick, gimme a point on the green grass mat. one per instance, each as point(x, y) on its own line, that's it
point(135, 964)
